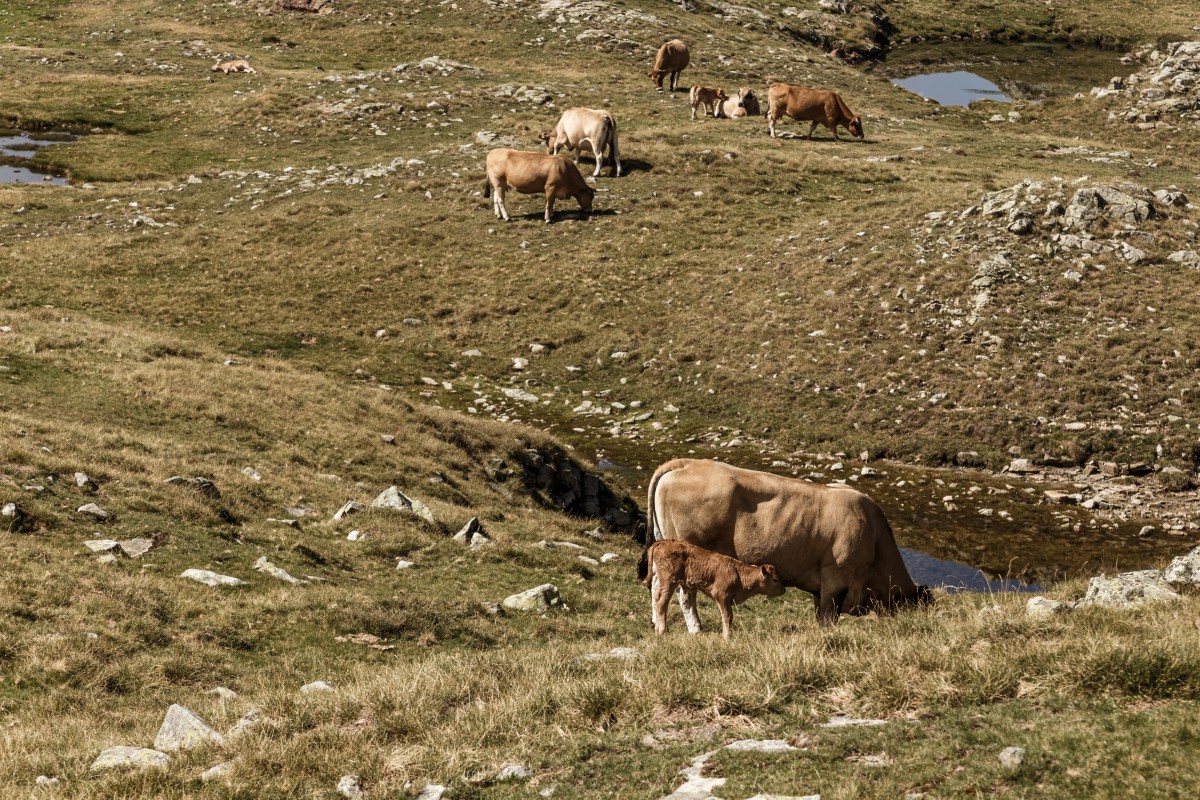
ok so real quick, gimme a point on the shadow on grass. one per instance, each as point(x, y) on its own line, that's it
point(559, 215)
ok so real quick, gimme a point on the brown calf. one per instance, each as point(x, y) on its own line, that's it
point(669, 565)
point(706, 97)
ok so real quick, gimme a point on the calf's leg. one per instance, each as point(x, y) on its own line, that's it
point(726, 608)
point(687, 602)
point(662, 604)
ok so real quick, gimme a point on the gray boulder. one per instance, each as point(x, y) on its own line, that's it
point(394, 499)
point(351, 507)
point(83, 481)
point(1043, 606)
point(122, 757)
point(539, 598)
point(250, 719)
point(350, 787)
point(101, 545)
point(182, 729)
point(136, 548)
point(93, 510)
point(1128, 589)
point(1012, 757)
point(202, 485)
point(1184, 571)
point(217, 771)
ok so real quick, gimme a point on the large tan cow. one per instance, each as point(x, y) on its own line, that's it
point(530, 173)
point(586, 128)
point(742, 104)
point(708, 98)
point(671, 60)
point(670, 565)
point(830, 540)
point(819, 106)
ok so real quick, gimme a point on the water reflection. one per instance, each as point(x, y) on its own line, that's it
point(958, 88)
point(955, 576)
point(19, 146)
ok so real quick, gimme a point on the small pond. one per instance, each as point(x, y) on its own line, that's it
point(954, 576)
point(17, 149)
point(959, 73)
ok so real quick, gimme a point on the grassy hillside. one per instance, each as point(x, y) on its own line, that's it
point(264, 275)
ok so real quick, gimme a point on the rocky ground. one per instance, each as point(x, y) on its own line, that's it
point(1164, 94)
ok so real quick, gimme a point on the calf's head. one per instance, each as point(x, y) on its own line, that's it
point(721, 96)
point(548, 139)
point(855, 127)
point(769, 583)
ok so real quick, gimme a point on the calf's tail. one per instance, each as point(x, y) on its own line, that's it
point(644, 565)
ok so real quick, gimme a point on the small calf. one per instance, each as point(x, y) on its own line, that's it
point(238, 65)
point(670, 564)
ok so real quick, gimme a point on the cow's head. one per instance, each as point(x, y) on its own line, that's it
point(771, 585)
point(656, 75)
point(585, 196)
point(548, 138)
point(855, 127)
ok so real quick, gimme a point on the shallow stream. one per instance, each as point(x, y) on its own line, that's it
point(17, 149)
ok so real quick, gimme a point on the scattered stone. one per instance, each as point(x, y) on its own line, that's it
point(122, 757)
point(93, 510)
point(351, 507)
point(210, 578)
point(367, 639)
point(432, 791)
point(1043, 607)
point(1063, 498)
point(387, 438)
point(1184, 571)
point(491, 608)
point(202, 485)
point(1011, 757)
point(136, 548)
point(873, 760)
point(223, 693)
point(291, 523)
point(250, 719)
point(472, 527)
point(350, 787)
point(1146, 531)
point(393, 498)
point(1190, 258)
point(845, 720)
point(265, 566)
point(607, 557)
point(1023, 466)
point(1128, 589)
point(217, 771)
point(548, 545)
point(107, 558)
point(539, 598)
point(402, 564)
point(618, 653)
point(84, 482)
point(357, 536)
point(315, 686)
point(252, 473)
point(520, 363)
point(513, 772)
point(182, 729)
point(46, 782)
point(101, 545)
point(17, 518)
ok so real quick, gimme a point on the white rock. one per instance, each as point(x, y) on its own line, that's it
point(93, 510)
point(350, 787)
point(250, 719)
point(432, 791)
point(217, 771)
point(100, 545)
point(315, 686)
point(402, 564)
point(845, 720)
point(46, 782)
point(520, 363)
point(760, 746)
point(1184, 571)
point(351, 507)
point(1043, 606)
point(136, 548)
point(252, 474)
point(223, 693)
point(210, 578)
point(607, 557)
point(265, 566)
point(1011, 757)
point(513, 772)
point(182, 729)
point(122, 757)
point(617, 653)
point(539, 598)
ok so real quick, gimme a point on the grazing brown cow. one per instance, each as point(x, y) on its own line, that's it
point(670, 565)
point(742, 104)
point(530, 173)
point(671, 60)
point(586, 128)
point(708, 98)
point(830, 540)
point(819, 106)
point(238, 65)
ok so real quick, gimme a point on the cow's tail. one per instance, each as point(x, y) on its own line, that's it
point(487, 187)
point(652, 535)
point(610, 128)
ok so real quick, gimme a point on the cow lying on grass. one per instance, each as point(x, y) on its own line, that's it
point(669, 565)
point(530, 173)
point(238, 65)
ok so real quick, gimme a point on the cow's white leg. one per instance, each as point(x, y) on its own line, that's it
point(654, 596)
point(499, 195)
point(599, 153)
point(771, 124)
point(687, 602)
